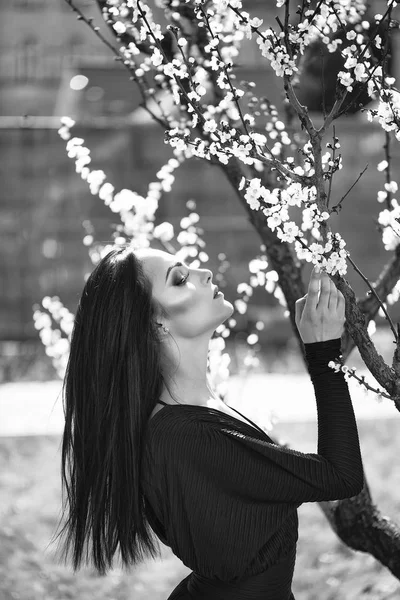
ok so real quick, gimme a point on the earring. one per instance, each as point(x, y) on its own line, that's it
point(165, 329)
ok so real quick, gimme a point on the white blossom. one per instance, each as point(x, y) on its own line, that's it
point(382, 165)
point(382, 196)
point(346, 80)
point(156, 57)
point(164, 231)
point(391, 187)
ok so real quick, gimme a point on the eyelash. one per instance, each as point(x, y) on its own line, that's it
point(182, 281)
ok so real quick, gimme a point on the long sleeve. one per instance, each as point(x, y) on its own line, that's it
point(338, 439)
point(258, 470)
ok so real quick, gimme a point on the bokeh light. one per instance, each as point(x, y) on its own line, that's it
point(78, 82)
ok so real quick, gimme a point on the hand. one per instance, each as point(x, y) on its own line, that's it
point(320, 319)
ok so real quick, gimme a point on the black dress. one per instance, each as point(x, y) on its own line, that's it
point(224, 496)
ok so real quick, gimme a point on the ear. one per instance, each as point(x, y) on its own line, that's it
point(163, 328)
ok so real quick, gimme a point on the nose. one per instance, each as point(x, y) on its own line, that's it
point(207, 275)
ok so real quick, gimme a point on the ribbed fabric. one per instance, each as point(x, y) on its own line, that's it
point(224, 496)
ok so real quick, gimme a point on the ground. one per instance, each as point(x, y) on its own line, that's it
point(325, 569)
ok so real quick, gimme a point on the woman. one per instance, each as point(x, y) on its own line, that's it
point(148, 442)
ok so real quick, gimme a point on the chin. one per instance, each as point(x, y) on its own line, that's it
point(229, 309)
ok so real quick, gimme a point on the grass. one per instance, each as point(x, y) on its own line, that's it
point(325, 568)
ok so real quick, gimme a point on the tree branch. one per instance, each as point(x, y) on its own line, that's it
point(361, 526)
point(383, 286)
point(376, 296)
point(339, 204)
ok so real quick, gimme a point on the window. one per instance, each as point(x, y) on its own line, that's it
point(29, 4)
point(75, 47)
point(27, 60)
point(77, 3)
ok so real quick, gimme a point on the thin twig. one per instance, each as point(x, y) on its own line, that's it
point(333, 158)
point(227, 75)
point(333, 113)
point(276, 164)
point(336, 108)
point(316, 11)
point(386, 146)
point(388, 157)
point(323, 86)
point(185, 60)
point(362, 88)
point(342, 26)
point(361, 380)
point(301, 14)
point(301, 110)
point(392, 327)
point(273, 163)
point(388, 12)
point(177, 79)
point(287, 16)
point(333, 209)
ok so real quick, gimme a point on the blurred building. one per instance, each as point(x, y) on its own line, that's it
point(52, 65)
point(41, 41)
point(44, 47)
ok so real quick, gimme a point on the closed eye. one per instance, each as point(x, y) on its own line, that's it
point(182, 281)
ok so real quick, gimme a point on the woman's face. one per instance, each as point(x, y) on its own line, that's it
point(187, 294)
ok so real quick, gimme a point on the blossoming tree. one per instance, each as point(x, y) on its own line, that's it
point(285, 163)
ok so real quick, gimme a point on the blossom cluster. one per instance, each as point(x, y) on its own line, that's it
point(388, 111)
point(272, 47)
point(275, 205)
point(330, 256)
point(360, 67)
point(137, 213)
point(282, 49)
point(259, 276)
point(56, 340)
point(389, 218)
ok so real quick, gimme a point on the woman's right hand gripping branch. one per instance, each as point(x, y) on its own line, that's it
point(320, 319)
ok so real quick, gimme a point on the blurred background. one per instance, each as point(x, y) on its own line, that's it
point(52, 65)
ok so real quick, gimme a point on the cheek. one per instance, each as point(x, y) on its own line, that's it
point(180, 302)
point(189, 304)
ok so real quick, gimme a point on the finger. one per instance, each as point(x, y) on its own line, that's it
point(299, 307)
point(313, 289)
point(332, 294)
point(323, 302)
point(341, 301)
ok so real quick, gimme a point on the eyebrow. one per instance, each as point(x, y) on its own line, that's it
point(177, 264)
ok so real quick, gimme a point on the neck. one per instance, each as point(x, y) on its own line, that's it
point(183, 394)
point(188, 383)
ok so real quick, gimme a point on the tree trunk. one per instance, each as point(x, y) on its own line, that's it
point(356, 521)
point(361, 526)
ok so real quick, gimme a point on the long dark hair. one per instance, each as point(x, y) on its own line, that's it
point(112, 383)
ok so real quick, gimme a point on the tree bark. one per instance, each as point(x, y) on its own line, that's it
point(356, 521)
point(361, 526)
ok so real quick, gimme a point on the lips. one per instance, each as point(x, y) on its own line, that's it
point(216, 291)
